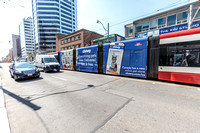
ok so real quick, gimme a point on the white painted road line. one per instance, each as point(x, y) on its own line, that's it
point(198, 89)
point(59, 78)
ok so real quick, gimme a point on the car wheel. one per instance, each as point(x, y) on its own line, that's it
point(58, 70)
point(15, 77)
point(11, 75)
point(38, 76)
point(45, 70)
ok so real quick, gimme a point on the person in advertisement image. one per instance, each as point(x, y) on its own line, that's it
point(115, 56)
point(67, 59)
point(63, 59)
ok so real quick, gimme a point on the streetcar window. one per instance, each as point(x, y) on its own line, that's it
point(180, 54)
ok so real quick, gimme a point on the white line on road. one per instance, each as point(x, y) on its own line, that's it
point(198, 89)
point(59, 78)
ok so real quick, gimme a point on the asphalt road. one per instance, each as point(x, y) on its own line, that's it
point(78, 102)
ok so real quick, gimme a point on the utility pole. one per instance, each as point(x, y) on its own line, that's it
point(108, 33)
point(190, 17)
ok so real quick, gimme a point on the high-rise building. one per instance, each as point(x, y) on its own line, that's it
point(51, 17)
point(10, 54)
point(16, 46)
point(26, 37)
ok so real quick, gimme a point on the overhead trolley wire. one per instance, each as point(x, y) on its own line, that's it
point(151, 13)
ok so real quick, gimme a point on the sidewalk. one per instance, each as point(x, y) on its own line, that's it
point(4, 124)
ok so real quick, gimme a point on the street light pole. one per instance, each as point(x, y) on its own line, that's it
point(107, 31)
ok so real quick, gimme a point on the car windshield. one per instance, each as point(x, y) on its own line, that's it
point(24, 65)
point(48, 60)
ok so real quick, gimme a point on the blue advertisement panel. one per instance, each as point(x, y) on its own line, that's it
point(179, 28)
point(134, 62)
point(87, 59)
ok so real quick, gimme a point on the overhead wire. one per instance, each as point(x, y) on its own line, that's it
point(151, 13)
point(11, 4)
point(132, 19)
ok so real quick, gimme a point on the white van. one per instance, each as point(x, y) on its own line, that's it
point(47, 63)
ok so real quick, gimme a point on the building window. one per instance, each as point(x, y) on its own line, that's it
point(138, 28)
point(66, 40)
point(129, 31)
point(74, 46)
point(145, 26)
point(79, 36)
point(182, 17)
point(198, 14)
point(60, 41)
point(71, 46)
point(74, 37)
point(171, 20)
point(161, 22)
point(79, 45)
point(153, 24)
point(70, 39)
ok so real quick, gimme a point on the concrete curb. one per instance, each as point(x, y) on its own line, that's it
point(4, 123)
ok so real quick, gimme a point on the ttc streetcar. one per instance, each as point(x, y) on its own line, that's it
point(171, 57)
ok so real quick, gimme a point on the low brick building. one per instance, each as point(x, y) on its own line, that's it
point(80, 38)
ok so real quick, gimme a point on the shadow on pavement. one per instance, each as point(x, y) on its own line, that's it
point(28, 80)
point(53, 72)
point(22, 100)
point(62, 92)
point(56, 93)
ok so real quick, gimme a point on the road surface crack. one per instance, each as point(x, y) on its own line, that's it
point(112, 115)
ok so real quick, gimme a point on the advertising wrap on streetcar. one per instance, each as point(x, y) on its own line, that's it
point(87, 59)
point(134, 62)
point(114, 60)
point(66, 59)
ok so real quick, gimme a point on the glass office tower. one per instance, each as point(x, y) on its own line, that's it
point(51, 17)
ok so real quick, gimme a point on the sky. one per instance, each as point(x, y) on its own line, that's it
point(115, 12)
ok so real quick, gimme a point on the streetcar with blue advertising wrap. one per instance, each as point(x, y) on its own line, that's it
point(172, 57)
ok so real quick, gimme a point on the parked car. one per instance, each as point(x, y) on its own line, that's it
point(20, 70)
point(47, 63)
